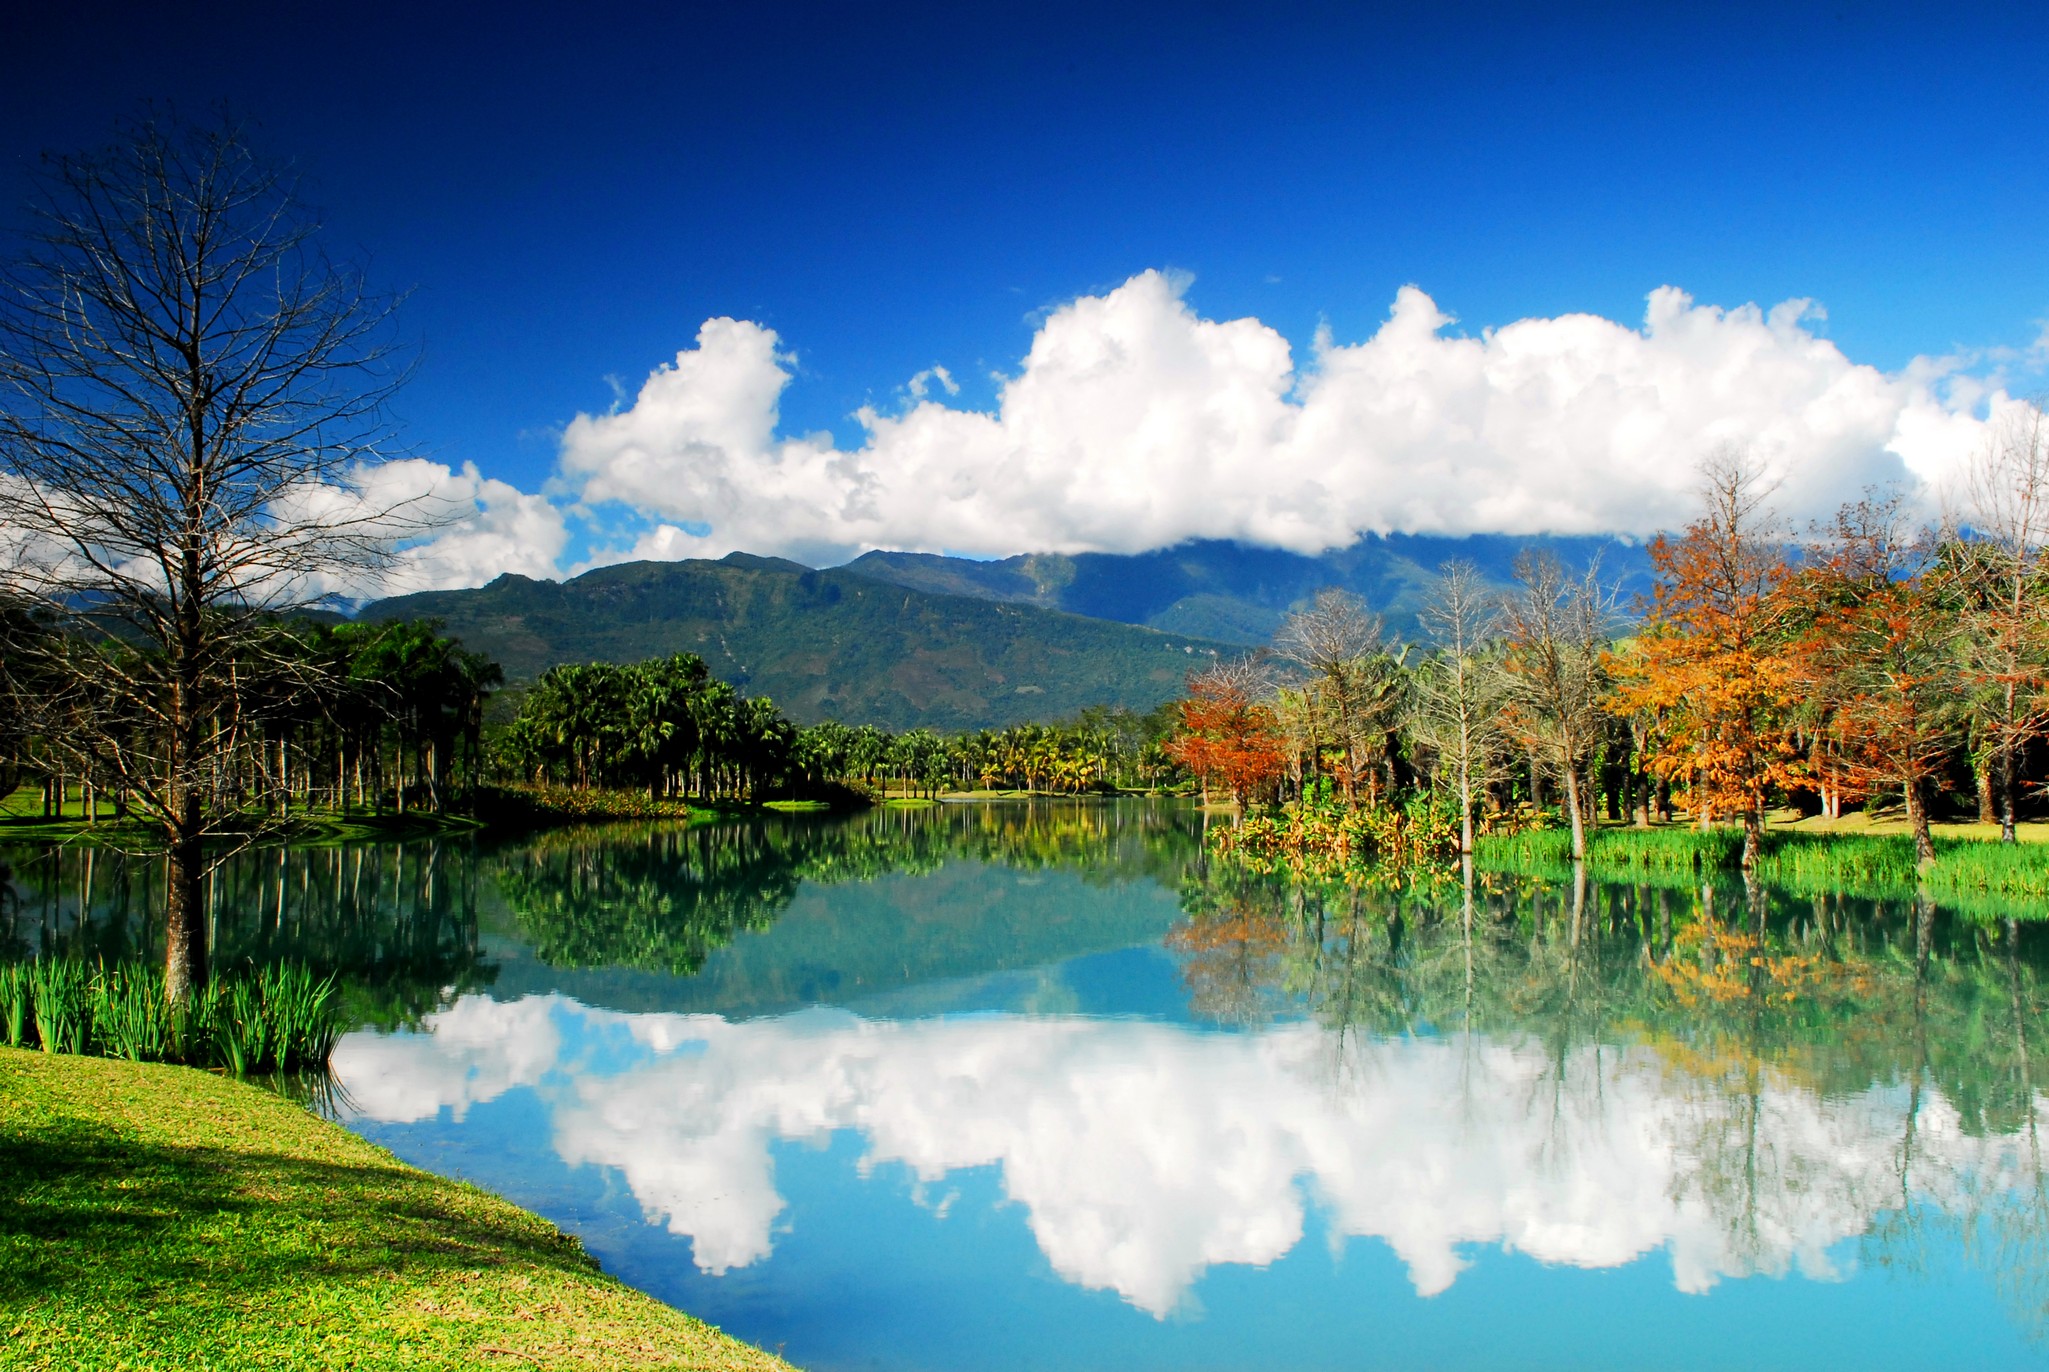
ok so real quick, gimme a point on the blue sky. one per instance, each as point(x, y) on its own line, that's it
point(570, 193)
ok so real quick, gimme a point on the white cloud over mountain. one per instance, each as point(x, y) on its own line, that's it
point(1144, 1154)
point(1135, 423)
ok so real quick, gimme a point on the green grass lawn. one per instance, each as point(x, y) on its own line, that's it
point(157, 1216)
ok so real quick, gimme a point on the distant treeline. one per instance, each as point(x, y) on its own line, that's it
point(390, 717)
point(670, 727)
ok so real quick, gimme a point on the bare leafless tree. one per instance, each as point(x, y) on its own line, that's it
point(1457, 708)
point(1352, 679)
point(1557, 679)
point(188, 391)
point(2007, 625)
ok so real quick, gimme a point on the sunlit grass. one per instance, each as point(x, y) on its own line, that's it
point(1974, 875)
point(155, 1216)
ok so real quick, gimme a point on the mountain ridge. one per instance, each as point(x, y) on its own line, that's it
point(1236, 593)
point(907, 639)
point(830, 644)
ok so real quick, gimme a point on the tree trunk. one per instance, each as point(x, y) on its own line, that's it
point(185, 950)
point(1917, 816)
point(1465, 811)
point(1579, 821)
point(1753, 836)
point(2006, 790)
point(1987, 814)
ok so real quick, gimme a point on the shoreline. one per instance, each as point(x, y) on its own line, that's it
point(509, 811)
point(166, 1214)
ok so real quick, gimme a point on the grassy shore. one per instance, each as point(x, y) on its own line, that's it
point(1972, 871)
point(157, 1216)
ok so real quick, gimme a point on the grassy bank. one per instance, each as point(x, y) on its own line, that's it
point(1972, 873)
point(158, 1216)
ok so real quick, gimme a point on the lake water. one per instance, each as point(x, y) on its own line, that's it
point(1033, 1086)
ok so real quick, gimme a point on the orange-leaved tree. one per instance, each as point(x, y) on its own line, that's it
point(1714, 665)
point(1229, 740)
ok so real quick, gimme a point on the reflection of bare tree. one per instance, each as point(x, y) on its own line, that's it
point(1996, 1213)
point(397, 923)
point(1818, 1028)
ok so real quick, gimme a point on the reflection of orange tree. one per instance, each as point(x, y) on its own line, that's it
point(1713, 964)
point(1232, 960)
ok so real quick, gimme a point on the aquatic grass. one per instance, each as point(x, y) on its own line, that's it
point(241, 1031)
point(1873, 863)
point(62, 992)
point(1977, 877)
point(129, 1019)
point(304, 1015)
point(1982, 865)
point(17, 999)
point(1649, 851)
point(276, 1019)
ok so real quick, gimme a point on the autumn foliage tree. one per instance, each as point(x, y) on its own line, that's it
point(1228, 740)
point(1713, 664)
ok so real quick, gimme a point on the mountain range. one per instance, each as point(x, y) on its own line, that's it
point(1234, 593)
point(908, 639)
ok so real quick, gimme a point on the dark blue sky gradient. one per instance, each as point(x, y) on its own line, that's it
point(570, 191)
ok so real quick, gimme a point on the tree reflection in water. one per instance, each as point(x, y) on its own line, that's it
point(662, 898)
point(1751, 1000)
point(396, 923)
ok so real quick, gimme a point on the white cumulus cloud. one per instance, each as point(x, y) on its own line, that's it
point(450, 527)
point(1134, 423)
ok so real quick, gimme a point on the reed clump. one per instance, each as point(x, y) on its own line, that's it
point(273, 1019)
point(1314, 835)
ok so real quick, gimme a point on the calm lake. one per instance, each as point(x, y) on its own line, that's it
point(1035, 1086)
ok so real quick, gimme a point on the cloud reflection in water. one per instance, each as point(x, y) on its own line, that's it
point(1145, 1153)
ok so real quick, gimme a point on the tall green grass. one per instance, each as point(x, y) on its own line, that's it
point(1976, 876)
point(277, 1019)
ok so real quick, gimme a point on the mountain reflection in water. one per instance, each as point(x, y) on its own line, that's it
point(718, 1052)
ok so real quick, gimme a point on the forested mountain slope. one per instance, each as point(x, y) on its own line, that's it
point(824, 645)
point(1240, 594)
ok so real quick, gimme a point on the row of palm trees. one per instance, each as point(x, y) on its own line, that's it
point(1104, 748)
point(666, 726)
point(669, 727)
